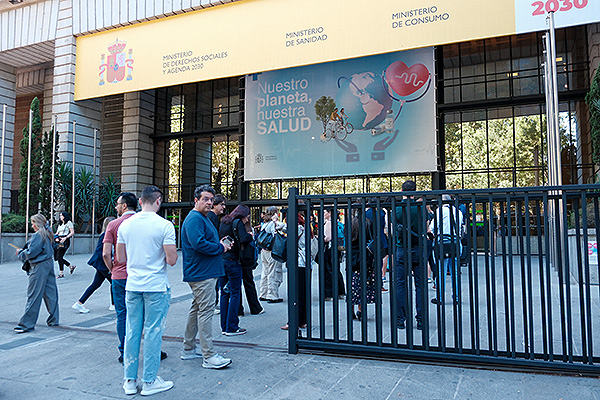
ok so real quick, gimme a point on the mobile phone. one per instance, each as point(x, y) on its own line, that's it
point(228, 240)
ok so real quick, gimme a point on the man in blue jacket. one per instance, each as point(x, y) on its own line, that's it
point(202, 265)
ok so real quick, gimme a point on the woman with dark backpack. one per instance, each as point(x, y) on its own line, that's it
point(248, 262)
point(231, 283)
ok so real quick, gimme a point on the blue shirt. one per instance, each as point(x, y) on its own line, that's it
point(202, 251)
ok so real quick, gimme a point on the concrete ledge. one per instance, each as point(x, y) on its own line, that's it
point(80, 244)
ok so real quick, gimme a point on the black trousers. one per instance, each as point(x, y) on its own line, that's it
point(250, 289)
point(59, 255)
point(332, 273)
point(99, 278)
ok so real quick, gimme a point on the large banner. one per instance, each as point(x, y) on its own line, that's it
point(253, 36)
point(370, 115)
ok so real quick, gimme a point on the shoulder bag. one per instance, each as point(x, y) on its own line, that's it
point(264, 240)
point(279, 249)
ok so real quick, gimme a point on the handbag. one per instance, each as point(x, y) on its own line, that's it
point(57, 243)
point(264, 240)
point(279, 249)
point(26, 266)
point(447, 246)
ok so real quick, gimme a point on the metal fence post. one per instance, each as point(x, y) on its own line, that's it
point(292, 265)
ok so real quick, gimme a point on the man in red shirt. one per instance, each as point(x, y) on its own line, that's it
point(126, 205)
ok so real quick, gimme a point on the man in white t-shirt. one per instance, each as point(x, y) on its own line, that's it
point(146, 243)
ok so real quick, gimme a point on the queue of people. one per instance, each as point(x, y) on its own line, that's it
point(135, 250)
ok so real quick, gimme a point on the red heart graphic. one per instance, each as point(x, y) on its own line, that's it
point(404, 80)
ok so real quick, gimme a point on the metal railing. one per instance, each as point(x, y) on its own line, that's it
point(523, 289)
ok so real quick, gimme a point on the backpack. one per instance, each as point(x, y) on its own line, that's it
point(341, 239)
point(247, 255)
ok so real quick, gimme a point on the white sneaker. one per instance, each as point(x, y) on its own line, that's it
point(190, 354)
point(216, 362)
point(80, 307)
point(130, 386)
point(111, 307)
point(159, 385)
point(217, 311)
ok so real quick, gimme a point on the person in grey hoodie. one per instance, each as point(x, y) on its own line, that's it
point(42, 283)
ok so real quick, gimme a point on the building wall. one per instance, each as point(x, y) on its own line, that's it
point(594, 47)
point(111, 151)
point(36, 22)
point(8, 85)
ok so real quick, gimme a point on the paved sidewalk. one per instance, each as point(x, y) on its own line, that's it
point(78, 360)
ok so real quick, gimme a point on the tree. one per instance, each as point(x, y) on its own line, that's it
point(323, 108)
point(36, 162)
point(46, 151)
point(41, 165)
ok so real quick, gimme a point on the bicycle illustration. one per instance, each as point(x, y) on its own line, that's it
point(339, 129)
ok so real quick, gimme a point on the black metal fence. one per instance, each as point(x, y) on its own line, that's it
point(522, 292)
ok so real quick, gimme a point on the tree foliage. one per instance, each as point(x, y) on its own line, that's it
point(323, 109)
point(512, 148)
point(593, 101)
point(41, 165)
point(36, 162)
point(108, 192)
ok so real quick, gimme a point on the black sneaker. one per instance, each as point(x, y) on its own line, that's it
point(240, 331)
point(163, 355)
point(275, 301)
point(436, 302)
point(419, 325)
point(120, 358)
point(401, 324)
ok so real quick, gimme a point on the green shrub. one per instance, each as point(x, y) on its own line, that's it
point(13, 223)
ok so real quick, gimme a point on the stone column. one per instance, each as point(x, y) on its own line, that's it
point(8, 85)
point(138, 147)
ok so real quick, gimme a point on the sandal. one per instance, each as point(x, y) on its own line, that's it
point(72, 268)
point(285, 327)
point(61, 275)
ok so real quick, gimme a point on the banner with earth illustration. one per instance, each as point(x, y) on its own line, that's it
point(371, 115)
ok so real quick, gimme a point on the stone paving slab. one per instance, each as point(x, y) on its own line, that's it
point(78, 359)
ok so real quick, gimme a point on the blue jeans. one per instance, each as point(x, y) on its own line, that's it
point(449, 264)
point(118, 289)
point(146, 311)
point(230, 296)
point(402, 272)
